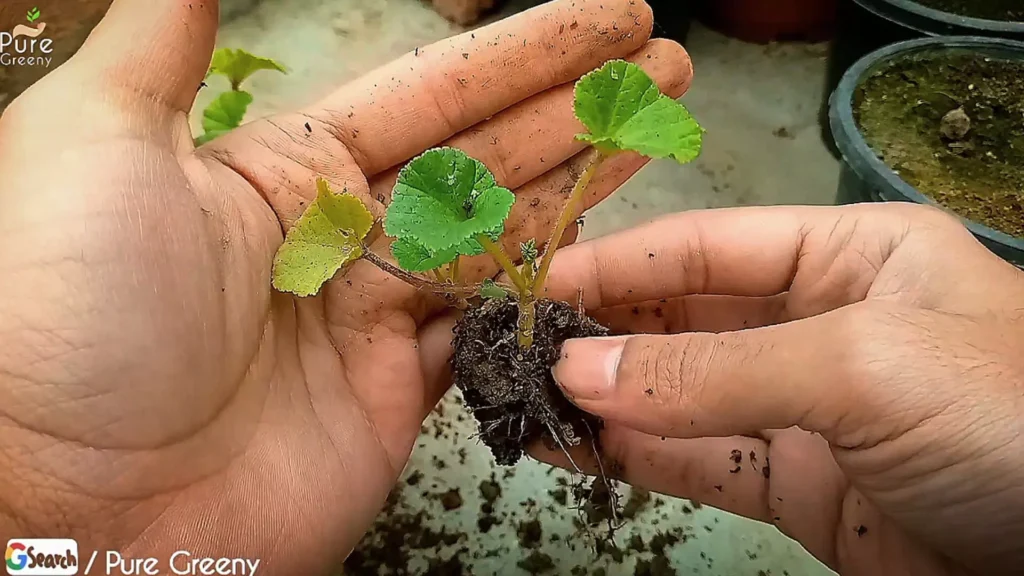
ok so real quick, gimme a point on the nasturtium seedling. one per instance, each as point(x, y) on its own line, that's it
point(447, 205)
point(623, 109)
point(228, 110)
point(328, 236)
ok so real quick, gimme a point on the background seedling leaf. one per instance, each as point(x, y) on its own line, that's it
point(224, 114)
point(491, 291)
point(238, 65)
point(327, 236)
point(623, 109)
point(33, 15)
point(444, 199)
point(414, 257)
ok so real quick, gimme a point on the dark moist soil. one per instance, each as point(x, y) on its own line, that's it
point(952, 126)
point(1006, 10)
point(512, 392)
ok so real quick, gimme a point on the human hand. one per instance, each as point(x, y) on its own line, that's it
point(871, 354)
point(156, 394)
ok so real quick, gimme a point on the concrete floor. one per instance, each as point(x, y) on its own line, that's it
point(758, 104)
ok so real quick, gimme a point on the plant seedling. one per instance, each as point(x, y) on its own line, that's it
point(228, 110)
point(447, 206)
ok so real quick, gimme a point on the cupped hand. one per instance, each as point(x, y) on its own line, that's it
point(852, 375)
point(155, 393)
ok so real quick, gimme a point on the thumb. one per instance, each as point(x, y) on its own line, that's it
point(152, 51)
point(701, 384)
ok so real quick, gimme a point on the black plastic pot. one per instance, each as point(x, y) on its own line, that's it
point(864, 177)
point(867, 25)
point(672, 18)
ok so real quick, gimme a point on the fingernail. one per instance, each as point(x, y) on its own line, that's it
point(587, 368)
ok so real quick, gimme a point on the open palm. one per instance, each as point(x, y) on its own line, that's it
point(156, 393)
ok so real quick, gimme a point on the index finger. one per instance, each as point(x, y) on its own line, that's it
point(754, 252)
point(734, 251)
point(431, 94)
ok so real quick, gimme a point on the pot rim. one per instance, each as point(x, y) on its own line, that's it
point(949, 18)
point(862, 158)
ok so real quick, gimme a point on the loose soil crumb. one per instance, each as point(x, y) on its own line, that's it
point(608, 548)
point(663, 540)
point(638, 500)
point(951, 124)
point(657, 566)
point(560, 495)
point(450, 567)
point(512, 392)
point(530, 533)
point(636, 543)
point(1005, 10)
point(490, 490)
point(486, 521)
point(599, 502)
point(451, 500)
point(537, 563)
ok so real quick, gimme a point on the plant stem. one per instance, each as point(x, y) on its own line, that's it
point(503, 260)
point(527, 320)
point(455, 270)
point(568, 213)
point(455, 295)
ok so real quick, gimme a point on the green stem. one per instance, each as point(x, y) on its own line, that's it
point(455, 295)
point(527, 320)
point(501, 257)
point(568, 214)
point(455, 270)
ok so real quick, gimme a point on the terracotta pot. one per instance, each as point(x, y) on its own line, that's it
point(764, 21)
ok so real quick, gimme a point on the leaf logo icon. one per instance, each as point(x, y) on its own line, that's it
point(33, 15)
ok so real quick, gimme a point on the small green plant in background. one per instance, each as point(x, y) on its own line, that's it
point(447, 205)
point(228, 110)
point(33, 15)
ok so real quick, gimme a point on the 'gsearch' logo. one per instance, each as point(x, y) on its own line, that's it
point(42, 557)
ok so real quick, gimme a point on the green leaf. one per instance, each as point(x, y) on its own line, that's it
point(529, 250)
point(33, 15)
point(327, 236)
point(414, 257)
point(345, 211)
point(491, 291)
point(238, 65)
point(445, 199)
point(224, 114)
point(623, 109)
